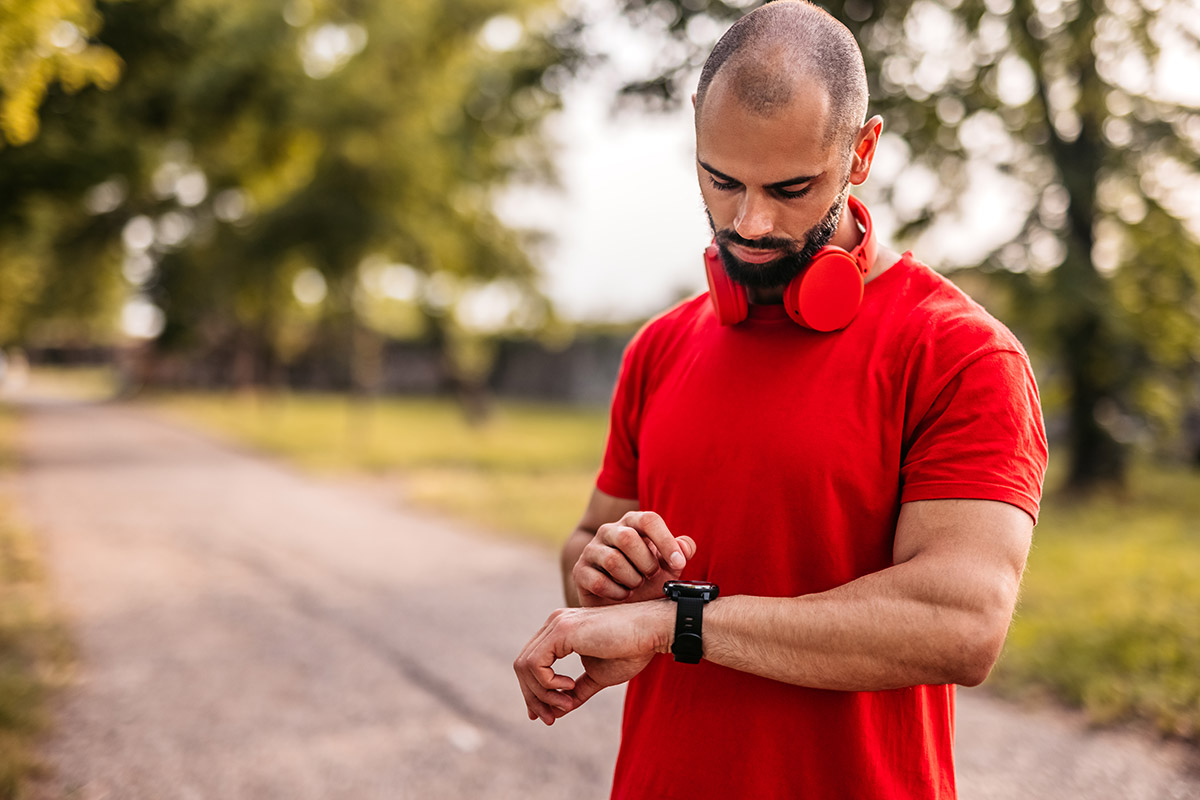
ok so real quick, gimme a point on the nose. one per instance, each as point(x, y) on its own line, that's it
point(754, 219)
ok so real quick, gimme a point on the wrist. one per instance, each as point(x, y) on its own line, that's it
point(689, 599)
point(660, 622)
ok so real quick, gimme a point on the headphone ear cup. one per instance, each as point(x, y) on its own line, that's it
point(826, 295)
point(728, 299)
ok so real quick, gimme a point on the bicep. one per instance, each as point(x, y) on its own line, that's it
point(972, 550)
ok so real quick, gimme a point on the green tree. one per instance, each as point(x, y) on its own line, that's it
point(41, 42)
point(249, 147)
point(1060, 100)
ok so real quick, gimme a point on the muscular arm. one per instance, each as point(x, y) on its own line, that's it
point(938, 615)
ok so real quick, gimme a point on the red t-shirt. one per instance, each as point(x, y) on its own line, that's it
point(786, 455)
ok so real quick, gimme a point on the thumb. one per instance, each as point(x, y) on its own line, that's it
point(688, 545)
point(585, 688)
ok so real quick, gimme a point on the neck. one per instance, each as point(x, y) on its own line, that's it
point(765, 297)
point(885, 259)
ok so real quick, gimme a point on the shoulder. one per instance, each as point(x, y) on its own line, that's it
point(671, 328)
point(932, 317)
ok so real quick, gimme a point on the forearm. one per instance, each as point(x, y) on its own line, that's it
point(884, 631)
point(938, 615)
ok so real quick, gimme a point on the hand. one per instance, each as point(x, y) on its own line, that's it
point(629, 561)
point(615, 644)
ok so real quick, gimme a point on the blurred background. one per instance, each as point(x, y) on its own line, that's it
point(444, 197)
point(410, 238)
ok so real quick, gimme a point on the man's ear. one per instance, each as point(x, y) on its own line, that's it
point(693, 101)
point(866, 143)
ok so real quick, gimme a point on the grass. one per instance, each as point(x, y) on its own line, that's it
point(1109, 619)
point(75, 383)
point(528, 470)
point(33, 645)
point(8, 437)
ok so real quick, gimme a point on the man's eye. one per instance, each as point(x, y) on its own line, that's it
point(722, 186)
point(793, 193)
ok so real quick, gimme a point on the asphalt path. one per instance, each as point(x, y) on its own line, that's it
point(248, 631)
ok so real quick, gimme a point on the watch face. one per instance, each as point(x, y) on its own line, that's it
point(699, 589)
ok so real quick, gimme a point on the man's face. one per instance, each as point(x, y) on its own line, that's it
point(774, 188)
point(789, 257)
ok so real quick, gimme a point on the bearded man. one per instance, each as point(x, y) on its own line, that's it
point(821, 477)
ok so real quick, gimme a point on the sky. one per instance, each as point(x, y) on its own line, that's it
point(628, 227)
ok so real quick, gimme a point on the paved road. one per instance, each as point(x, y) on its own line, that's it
point(246, 631)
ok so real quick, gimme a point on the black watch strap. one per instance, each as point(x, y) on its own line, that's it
point(688, 646)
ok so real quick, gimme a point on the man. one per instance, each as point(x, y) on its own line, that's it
point(862, 494)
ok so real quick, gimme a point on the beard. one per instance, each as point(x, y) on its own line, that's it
point(795, 258)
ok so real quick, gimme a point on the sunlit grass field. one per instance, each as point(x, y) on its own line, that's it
point(1109, 619)
point(527, 471)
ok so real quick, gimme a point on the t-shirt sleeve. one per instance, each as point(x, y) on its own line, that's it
point(982, 437)
point(619, 470)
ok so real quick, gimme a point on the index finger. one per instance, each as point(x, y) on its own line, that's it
point(653, 527)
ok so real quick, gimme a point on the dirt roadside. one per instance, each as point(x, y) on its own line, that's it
point(246, 631)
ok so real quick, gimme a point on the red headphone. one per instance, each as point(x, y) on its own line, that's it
point(824, 297)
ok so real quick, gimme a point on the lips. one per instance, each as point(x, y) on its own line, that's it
point(754, 256)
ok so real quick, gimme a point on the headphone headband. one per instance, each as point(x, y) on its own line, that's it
point(863, 252)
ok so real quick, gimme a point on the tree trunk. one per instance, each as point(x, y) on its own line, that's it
point(1083, 297)
point(471, 393)
point(1096, 459)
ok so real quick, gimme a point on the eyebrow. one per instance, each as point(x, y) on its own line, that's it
point(777, 185)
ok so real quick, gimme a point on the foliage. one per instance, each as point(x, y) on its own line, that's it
point(1109, 618)
point(48, 50)
point(249, 156)
point(33, 644)
point(41, 42)
point(1055, 110)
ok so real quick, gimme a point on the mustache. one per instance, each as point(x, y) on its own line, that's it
point(765, 243)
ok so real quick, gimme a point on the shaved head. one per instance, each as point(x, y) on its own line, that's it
point(785, 48)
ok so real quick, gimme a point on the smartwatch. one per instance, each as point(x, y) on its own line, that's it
point(689, 597)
